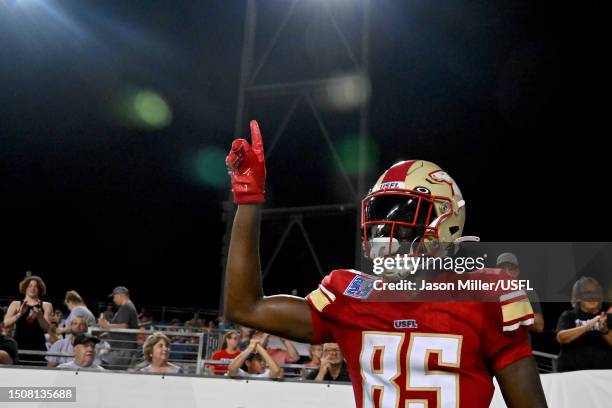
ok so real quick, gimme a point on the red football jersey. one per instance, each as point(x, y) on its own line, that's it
point(419, 354)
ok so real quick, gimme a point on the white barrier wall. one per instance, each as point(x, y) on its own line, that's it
point(579, 389)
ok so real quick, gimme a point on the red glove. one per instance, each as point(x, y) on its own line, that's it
point(247, 168)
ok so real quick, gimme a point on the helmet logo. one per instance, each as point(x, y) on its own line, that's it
point(442, 177)
point(422, 189)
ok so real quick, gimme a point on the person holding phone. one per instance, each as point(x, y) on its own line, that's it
point(31, 318)
point(584, 332)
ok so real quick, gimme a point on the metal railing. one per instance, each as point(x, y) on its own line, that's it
point(547, 363)
point(180, 353)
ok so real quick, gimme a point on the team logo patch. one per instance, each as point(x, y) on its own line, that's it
point(360, 287)
point(405, 324)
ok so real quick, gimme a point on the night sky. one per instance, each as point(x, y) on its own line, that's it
point(505, 96)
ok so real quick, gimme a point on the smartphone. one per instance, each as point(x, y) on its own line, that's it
point(609, 320)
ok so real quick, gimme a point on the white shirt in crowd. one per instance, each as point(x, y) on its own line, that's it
point(265, 374)
point(73, 366)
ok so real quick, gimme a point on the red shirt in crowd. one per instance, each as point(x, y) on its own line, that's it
point(221, 369)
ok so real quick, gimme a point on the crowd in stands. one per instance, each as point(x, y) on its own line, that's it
point(48, 337)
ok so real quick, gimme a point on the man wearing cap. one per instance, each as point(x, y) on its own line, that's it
point(509, 262)
point(78, 325)
point(123, 346)
point(84, 353)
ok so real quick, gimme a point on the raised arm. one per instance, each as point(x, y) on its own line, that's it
point(15, 310)
point(275, 370)
point(232, 368)
point(285, 316)
point(292, 354)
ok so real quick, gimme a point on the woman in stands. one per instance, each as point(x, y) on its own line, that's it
point(156, 352)
point(315, 352)
point(584, 334)
point(229, 351)
point(31, 317)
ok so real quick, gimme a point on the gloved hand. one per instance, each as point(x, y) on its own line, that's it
point(247, 168)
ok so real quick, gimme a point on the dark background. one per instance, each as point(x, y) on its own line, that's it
point(505, 96)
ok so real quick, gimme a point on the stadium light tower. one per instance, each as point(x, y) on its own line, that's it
point(345, 92)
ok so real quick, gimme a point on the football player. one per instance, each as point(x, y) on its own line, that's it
point(410, 354)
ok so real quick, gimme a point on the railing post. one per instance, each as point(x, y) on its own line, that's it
point(200, 350)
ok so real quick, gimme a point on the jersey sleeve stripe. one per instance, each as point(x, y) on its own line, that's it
point(512, 295)
point(328, 293)
point(512, 327)
point(318, 300)
point(516, 310)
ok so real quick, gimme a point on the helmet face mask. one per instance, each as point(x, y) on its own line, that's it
point(413, 208)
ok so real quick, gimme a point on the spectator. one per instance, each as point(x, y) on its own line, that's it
point(188, 327)
point(245, 337)
point(282, 356)
point(510, 264)
point(78, 325)
point(584, 335)
point(51, 336)
point(84, 353)
point(333, 367)
point(193, 321)
point(108, 313)
point(74, 302)
point(223, 323)
point(256, 359)
point(175, 325)
point(315, 352)
point(31, 318)
point(9, 353)
point(58, 318)
point(123, 345)
point(156, 351)
point(229, 351)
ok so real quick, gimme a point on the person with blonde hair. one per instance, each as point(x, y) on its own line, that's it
point(229, 350)
point(74, 302)
point(156, 351)
point(30, 317)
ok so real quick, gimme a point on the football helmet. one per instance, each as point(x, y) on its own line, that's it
point(413, 208)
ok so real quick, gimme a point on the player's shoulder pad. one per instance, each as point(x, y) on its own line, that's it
point(341, 283)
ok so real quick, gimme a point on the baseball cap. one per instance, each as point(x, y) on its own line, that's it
point(84, 338)
point(119, 290)
point(507, 257)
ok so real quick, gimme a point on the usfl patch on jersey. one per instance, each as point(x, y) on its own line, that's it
point(360, 287)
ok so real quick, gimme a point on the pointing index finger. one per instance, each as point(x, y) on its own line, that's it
point(256, 140)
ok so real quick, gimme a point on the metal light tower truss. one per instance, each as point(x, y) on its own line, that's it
point(301, 92)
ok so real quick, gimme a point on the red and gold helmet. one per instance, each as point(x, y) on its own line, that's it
point(413, 207)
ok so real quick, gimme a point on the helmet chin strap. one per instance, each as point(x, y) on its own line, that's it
point(467, 238)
